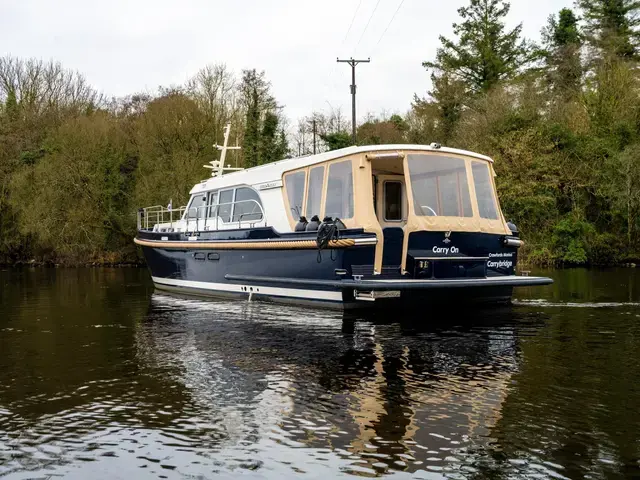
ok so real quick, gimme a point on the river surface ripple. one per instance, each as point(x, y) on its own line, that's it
point(100, 377)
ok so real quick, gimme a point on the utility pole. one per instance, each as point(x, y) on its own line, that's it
point(352, 63)
point(314, 136)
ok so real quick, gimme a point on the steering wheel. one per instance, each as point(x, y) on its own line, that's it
point(422, 207)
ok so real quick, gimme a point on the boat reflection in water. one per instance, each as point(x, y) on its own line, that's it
point(280, 385)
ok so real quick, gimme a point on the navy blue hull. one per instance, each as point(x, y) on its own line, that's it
point(458, 267)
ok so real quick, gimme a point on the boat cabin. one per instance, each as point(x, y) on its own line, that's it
point(389, 190)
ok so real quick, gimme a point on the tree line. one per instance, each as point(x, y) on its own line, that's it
point(75, 165)
point(560, 116)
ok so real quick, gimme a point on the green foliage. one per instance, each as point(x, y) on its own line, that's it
point(376, 131)
point(261, 143)
point(565, 31)
point(563, 42)
point(273, 143)
point(173, 140)
point(448, 97)
point(485, 53)
point(569, 239)
point(612, 25)
point(73, 201)
point(337, 140)
point(11, 105)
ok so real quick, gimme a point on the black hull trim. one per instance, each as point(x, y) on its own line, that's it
point(242, 296)
point(343, 299)
point(382, 285)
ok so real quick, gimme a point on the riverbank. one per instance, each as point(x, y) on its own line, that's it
point(59, 265)
point(53, 264)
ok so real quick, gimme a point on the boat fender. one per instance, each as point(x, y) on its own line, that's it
point(313, 225)
point(301, 226)
point(339, 223)
point(327, 231)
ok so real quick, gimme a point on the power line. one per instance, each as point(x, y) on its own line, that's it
point(333, 70)
point(367, 25)
point(353, 19)
point(389, 24)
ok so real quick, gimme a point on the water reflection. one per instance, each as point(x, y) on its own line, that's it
point(382, 396)
point(101, 378)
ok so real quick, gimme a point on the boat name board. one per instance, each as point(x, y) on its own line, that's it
point(269, 185)
point(506, 263)
point(506, 260)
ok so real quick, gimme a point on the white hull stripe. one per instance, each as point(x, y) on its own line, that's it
point(257, 289)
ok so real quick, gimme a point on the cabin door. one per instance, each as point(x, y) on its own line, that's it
point(391, 207)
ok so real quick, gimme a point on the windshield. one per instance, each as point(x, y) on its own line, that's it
point(196, 206)
point(439, 186)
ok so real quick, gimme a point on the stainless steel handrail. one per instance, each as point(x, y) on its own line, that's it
point(149, 217)
point(216, 209)
point(157, 214)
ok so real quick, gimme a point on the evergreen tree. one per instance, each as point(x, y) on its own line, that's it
point(11, 105)
point(257, 100)
point(269, 141)
point(611, 25)
point(448, 96)
point(563, 41)
point(282, 146)
point(337, 140)
point(484, 53)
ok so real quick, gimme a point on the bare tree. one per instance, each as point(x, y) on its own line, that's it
point(214, 88)
point(37, 86)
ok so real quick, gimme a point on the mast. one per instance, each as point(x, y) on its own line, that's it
point(217, 166)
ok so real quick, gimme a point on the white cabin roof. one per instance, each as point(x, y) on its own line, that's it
point(272, 172)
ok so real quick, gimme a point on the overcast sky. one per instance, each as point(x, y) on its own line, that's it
point(128, 46)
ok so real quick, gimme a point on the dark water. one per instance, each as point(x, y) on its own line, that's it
point(101, 378)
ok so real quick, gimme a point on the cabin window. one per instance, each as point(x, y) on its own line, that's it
point(393, 201)
point(314, 191)
point(439, 186)
point(225, 205)
point(247, 206)
point(484, 190)
point(339, 201)
point(197, 206)
point(213, 204)
point(295, 192)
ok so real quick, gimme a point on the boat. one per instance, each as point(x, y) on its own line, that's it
point(358, 227)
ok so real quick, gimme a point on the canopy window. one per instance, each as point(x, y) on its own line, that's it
point(314, 191)
point(339, 202)
point(487, 206)
point(439, 185)
point(295, 183)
